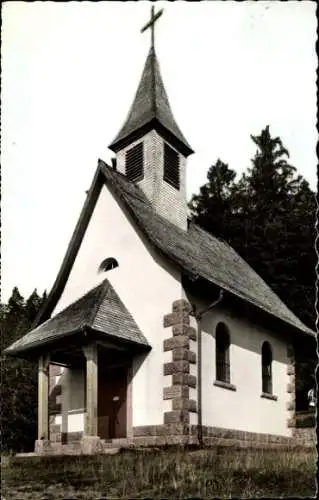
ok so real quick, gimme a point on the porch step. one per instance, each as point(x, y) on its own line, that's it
point(76, 449)
point(116, 444)
point(66, 449)
point(121, 441)
point(29, 454)
point(111, 451)
point(110, 445)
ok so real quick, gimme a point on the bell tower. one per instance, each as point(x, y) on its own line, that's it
point(150, 148)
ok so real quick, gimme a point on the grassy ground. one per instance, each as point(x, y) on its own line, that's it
point(168, 473)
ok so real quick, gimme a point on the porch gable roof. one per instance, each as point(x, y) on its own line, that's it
point(99, 310)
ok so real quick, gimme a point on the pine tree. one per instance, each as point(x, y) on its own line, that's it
point(32, 306)
point(18, 390)
point(278, 214)
point(212, 208)
point(267, 216)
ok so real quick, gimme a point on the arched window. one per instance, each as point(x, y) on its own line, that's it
point(107, 264)
point(222, 353)
point(266, 362)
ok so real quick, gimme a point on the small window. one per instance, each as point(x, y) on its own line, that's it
point(222, 354)
point(266, 368)
point(134, 163)
point(108, 264)
point(171, 166)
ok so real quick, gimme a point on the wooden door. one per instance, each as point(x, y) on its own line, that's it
point(112, 388)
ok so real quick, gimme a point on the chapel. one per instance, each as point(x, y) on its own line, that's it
point(156, 332)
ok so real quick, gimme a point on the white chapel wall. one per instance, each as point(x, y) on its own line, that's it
point(146, 285)
point(243, 409)
point(72, 383)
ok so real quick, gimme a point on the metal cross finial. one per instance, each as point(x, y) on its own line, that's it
point(151, 23)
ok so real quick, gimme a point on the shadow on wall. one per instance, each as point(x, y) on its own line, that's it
point(70, 384)
point(67, 391)
point(137, 363)
point(243, 332)
point(55, 390)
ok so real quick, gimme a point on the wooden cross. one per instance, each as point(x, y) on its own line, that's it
point(151, 23)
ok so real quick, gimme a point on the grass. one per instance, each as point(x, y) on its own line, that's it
point(171, 473)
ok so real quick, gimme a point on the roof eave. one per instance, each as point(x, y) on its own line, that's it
point(72, 249)
point(121, 142)
point(26, 352)
point(87, 333)
point(293, 328)
point(98, 335)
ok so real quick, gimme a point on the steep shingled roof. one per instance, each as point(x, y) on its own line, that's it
point(195, 251)
point(200, 253)
point(100, 309)
point(150, 105)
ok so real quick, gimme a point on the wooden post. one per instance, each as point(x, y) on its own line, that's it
point(43, 398)
point(90, 352)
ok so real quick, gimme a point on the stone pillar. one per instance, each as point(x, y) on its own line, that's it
point(90, 427)
point(65, 406)
point(179, 368)
point(42, 444)
point(43, 398)
point(91, 443)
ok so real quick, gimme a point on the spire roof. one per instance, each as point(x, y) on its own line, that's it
point(150, 109)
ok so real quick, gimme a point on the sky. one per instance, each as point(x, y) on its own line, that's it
point(69, 74)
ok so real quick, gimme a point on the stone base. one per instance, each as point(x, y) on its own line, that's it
point(70, 437)
point(180, 435)
point(91, 445)
point(307, 436)
point(42, 446)
point(185, 434)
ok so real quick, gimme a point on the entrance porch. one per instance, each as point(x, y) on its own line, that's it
point(94, 340)
point(94, 406)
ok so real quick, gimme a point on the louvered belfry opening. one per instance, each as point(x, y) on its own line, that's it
point(171, 166)
point(134, 162)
